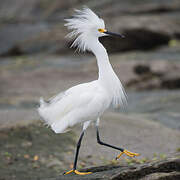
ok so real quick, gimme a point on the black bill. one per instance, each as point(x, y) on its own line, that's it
point(114, 34)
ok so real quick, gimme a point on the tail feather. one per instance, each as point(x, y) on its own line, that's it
point(52, 116)
point(42, 105)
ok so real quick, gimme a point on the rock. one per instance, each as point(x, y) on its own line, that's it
point(135, 39)
point(171, 80)
point(162, 176)
point(155, 75)
point(37, 26)
point(144, 83)
point(54, 162)
point(141, 69)
point(161, 170)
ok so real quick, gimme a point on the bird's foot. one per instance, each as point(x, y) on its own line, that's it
point(77, 172)
point(128, 153)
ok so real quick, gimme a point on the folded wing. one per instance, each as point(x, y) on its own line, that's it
point(78, 104)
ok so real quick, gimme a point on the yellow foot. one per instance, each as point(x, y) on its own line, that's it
point(77, 172)
point(128, 153)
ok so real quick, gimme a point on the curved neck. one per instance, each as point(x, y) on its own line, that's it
point(107, 77)
point(105, 69)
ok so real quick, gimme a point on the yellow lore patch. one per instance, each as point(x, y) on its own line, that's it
point(102, 30)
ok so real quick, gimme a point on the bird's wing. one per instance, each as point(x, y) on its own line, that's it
point(78, 89)
point(76, 104)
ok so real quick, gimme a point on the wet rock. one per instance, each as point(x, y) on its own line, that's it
point(177, 35)
point(171, 81)
point(148, 76)
point(142, 69)
point(14, 51)
point(136, 39)
point(145, 78)
point(160, 170)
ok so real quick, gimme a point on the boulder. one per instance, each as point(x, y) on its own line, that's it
point(161, 170)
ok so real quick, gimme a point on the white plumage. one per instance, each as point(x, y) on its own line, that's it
point(84, 26)
point(85, 102)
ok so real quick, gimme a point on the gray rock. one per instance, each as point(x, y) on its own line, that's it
point(171, 80)
point(136, 39)
point(37, 26)
point(161, 170)
point(149, 77)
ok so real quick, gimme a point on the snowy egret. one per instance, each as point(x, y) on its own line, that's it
point(86, 102)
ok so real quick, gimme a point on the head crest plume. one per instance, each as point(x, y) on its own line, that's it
point(83, 23)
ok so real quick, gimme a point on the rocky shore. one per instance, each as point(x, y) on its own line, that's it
point(35, 61)
point(168, 169)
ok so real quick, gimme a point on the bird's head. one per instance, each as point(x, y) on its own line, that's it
point(86, 27)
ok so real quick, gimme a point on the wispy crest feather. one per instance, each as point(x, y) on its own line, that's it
point(83, 24)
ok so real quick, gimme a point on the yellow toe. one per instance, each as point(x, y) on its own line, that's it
point(69, 172)
point(119, 155)
point(77, 172)
point(131, 154)
point(81, 173)
point(128, 153)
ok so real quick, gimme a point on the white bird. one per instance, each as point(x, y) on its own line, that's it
point(86, 102)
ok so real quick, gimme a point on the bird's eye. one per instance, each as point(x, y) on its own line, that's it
point(101, 30)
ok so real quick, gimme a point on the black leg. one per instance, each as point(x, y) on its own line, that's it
point(77, 150)
point(76, 158)
point(105, 144)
